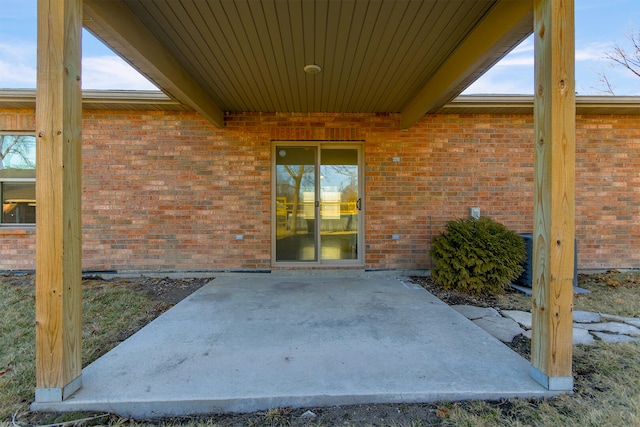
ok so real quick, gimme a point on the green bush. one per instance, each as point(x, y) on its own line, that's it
point(477, 256)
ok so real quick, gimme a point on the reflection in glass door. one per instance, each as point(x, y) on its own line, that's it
point(313, 182)
point(339, 204)
point(295, 203)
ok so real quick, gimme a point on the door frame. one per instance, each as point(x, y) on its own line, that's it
point(359, 261)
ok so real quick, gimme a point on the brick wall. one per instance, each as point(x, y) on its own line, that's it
point(608, 191)
point(17, 248)
point(168, 191)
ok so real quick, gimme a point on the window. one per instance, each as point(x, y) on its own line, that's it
point(17, 178)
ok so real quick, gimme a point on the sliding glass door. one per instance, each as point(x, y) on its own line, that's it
point(295, 198)
point(317, 203)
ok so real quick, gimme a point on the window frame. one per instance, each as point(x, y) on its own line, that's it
point(16, 180)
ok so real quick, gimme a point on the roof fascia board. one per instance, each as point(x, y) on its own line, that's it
point(517, 104)
point(476, 104)
point(127, 97)
point(125, 32)
point(502, 21)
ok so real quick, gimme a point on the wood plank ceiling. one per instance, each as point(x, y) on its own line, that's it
point(248, 55)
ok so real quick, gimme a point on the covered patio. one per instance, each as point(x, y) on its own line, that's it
point(248, 342)
point(384, 57)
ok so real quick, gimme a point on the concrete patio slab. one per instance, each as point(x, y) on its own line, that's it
point(250, 342)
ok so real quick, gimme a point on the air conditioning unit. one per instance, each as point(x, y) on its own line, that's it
point(526, 278)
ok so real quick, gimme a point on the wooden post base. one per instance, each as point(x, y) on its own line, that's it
point(58, 394)
point(552, 383)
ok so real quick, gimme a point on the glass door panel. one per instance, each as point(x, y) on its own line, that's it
point(317, 203)
point(339, 204)
point(296, 203)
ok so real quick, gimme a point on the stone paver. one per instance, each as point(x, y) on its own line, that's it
point(586, 317)
point(612, 317)
point(612, 327)
point(500, 327)
point(472, 312)
point(522, 317)
point(588, 326)
point(628, 320)
point(582, 336)
point(614, 338)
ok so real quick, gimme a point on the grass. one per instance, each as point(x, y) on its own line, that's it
point(607, 393)
point(111, 312)
point(607, 376)
point(612, 292)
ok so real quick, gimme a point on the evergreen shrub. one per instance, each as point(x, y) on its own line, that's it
point(477, 256)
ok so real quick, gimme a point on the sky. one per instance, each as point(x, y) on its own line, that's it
point(599, 26)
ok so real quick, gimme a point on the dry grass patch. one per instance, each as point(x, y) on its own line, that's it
point(613, 292)
point(111, 313)
point(606, 393)
point(606, 376)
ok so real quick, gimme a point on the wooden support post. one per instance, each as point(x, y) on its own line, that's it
point(554, 165)
point(58, 194)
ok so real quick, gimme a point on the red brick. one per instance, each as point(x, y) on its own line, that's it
point(167, 191)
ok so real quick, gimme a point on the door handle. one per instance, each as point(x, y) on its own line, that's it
point(359, 204)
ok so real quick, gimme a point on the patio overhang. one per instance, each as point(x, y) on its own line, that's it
point(406, 57)
point(151, 56)
point(376, 56)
